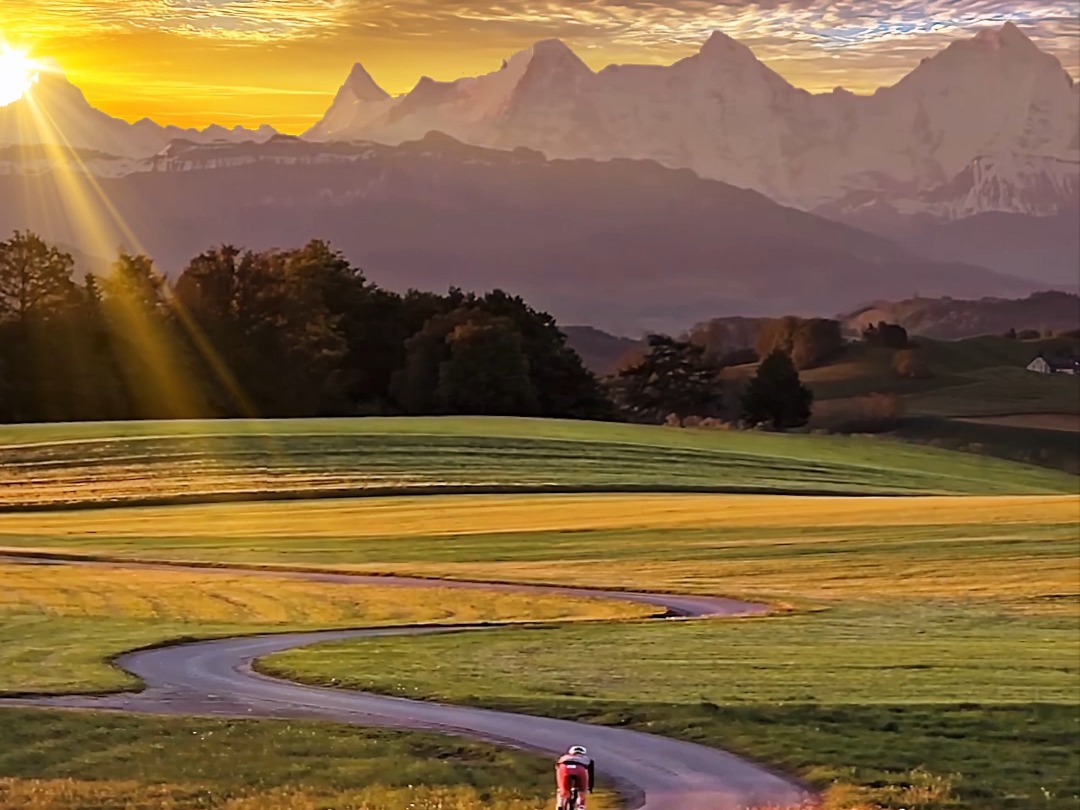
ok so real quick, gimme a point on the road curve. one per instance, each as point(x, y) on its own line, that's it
point(216, 678)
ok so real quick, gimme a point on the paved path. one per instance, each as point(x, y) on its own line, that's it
point(216, 678)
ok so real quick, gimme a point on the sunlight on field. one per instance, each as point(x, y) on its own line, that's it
point(59, 623)
point(203, 462)
point(451, 515)
point(1029, 586)
point(213, 597)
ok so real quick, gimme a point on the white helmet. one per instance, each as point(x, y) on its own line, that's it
point(577, 751)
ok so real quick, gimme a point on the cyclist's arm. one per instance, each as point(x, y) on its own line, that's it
point(592, 775)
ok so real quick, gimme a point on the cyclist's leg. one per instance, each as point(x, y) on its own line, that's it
point(562, 785)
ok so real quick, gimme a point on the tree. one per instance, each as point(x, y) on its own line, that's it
point(776, 395)
point(466, 361)
point(1011, 334)
point(673, 377)
point(35, 278)
point(809, 342)
point(487, 372)
point(776, 334)
point(135, 285)
point(889, 335)
point(413, 385)
point(564, 387)
point(815, 342)
point(145, 341)
point(274, 343)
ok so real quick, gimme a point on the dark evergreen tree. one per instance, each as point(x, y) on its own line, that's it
point(776, 396)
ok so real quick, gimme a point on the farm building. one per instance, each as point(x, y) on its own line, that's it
point(1054, 365)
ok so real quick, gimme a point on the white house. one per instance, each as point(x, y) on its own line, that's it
point(1054, 365)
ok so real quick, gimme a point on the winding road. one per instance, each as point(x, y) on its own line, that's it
point(216, 678)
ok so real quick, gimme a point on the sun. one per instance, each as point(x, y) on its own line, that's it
point(18, 72)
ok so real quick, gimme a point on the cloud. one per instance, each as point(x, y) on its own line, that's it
point(858, 42)
point(228, 20)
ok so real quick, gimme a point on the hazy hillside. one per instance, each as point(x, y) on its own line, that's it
point(599, 350)
point(951, 318)
point(622, 245)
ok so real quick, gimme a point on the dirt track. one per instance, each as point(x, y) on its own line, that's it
point(216, 678)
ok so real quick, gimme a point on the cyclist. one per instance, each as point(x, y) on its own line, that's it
point(575, 767)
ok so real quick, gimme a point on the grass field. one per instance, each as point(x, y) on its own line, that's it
point(950, 621)
point(1001, 391)
point(929, 655)
point(1019, 546)
point(59, 624)
point(1029, 439)
point(73, 761)
point(148, 462)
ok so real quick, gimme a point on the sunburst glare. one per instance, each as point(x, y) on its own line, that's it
point(18, 73)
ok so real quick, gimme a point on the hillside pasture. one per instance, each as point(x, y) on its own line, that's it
point(75, 465)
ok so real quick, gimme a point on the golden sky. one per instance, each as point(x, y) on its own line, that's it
point(196, 62)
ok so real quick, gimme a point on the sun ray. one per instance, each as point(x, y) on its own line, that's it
point(18, 73)
point(101, 227)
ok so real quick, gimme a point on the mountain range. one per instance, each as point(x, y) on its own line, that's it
point(57, 113)
point(621, 244)
point(961, 134)
point(630, 197)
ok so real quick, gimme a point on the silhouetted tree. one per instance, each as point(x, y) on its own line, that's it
point(35, 278)
point(776, 396)
point(889, 335)
point(272, 333)
point(673, 377)
point(487, 371)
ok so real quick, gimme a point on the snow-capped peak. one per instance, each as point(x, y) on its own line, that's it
point(1008, 36)
point(362, 86)
point(721, 46)
point(548, 57)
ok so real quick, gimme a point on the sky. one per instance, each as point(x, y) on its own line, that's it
point(196, 62)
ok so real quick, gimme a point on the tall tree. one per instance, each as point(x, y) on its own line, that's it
point(158, 373)
point(487, 371)
point(35, 278)
point(565, 388)
point(673, 376)
point(809, 342)
point(273, 341)
point(776, 396)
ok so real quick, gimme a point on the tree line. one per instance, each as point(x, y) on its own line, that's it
point(302, 332)
point(295, 332)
